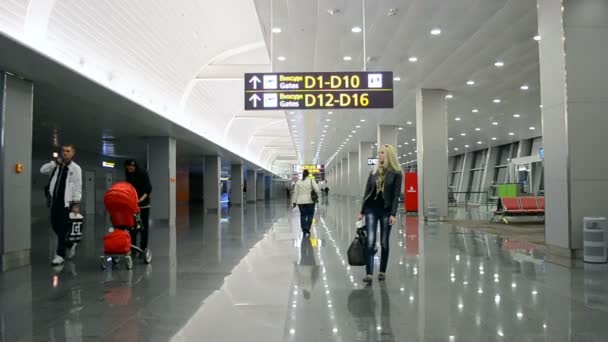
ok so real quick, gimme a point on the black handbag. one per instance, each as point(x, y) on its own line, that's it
point(357, 251)
point(313, 193)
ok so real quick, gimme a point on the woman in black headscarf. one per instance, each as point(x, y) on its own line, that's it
point(138, 177)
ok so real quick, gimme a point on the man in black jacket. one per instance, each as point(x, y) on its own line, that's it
point(138, 177)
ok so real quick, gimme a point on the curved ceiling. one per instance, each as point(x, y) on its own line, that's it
point(181, 59)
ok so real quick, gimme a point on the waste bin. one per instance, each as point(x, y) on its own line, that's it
point(432, 212)
point(595, 240)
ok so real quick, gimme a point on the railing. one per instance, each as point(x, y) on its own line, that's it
point(454, 199)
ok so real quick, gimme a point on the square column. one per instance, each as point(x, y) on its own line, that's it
point(261, 193)
point(251, 186)
point(432, 144)
point(387, 134)
point(212, 183)
point(162, 171)
point(344, 177)
point(16, 108)
point(236, 188)
point(365, 152)
point(353, 175)
point(574, 83)
point(339, 177)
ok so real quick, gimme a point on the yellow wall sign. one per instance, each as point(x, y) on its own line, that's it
point(319, 90)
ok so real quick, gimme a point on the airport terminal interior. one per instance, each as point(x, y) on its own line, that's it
point(486, 119)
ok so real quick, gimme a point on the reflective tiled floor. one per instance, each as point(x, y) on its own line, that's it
point(246, 275)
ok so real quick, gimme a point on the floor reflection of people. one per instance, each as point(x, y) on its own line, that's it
point(307, 271)
point(363, 307)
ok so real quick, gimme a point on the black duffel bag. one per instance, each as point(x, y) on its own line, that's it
point(357, 251)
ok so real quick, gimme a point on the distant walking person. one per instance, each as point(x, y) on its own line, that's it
point(380, 201)
point(138, 177)
point(302, 196)
point(64, 192)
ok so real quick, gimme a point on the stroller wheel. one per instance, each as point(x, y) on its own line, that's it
point(129, 262)
point(103, 262)
point(147, 256)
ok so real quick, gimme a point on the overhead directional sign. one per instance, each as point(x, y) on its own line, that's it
point(319, 90)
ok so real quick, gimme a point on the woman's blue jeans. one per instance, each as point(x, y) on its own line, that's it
point(372, 218)
point(307, 212)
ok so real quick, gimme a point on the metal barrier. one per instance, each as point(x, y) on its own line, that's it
point(452, 199)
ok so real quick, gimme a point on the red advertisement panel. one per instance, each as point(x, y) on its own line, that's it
point(410, 189)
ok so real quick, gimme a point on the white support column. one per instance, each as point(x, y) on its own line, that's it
point(432, 143)
point(16, 116)
point(365, 152)
point(353, 174)
point(574, 83)
point(260, 191)
point(345, 188)
point(387, 134)
point(211, 182)
point(236, 182)
point(162, 170)
point(251, 186)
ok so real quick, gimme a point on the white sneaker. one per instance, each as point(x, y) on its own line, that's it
point(57, 260)
point(70, 252)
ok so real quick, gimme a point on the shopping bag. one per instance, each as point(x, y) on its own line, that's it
point(357, 251)
point(75, 226)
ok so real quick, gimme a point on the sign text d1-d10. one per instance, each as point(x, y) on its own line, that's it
point(318, 90)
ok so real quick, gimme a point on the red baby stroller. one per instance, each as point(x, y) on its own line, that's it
point(121, 203)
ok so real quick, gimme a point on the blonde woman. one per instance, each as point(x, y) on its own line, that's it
point(380, 202)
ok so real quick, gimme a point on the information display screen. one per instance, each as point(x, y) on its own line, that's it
point(318, 171)
point(319, 90)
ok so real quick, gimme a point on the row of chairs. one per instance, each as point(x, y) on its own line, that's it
point(519, 206)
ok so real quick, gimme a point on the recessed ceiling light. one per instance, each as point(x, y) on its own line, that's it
point(413, 59)
point(455, 148)
point(327, 120)
point(436, 31)
point(493, 138)
point(397, 79)
point(326, 126)
point(497, 101)
point(463, 134)
point(457, 119)
point(470, 82)
point(276, 30)
point(475, 110)
point(330, 113)
point(478, 129)
point(292, 112)
point(495, 123)
point(357, 126)
point(541, 106)
point(347, 58)
point(537, 38)
point(479, 142)
point(511, 133)
point(406, 143)
point(356, 29)
point(451, 139)
point(532, 128)
point(362, 120)
point(414, 139)
point(516, 115)
point(282, 58)
point(524, 87)
point(409, 123)
point(449, 96)
point(467, 146)
point(400, 128)
point(499, 64)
